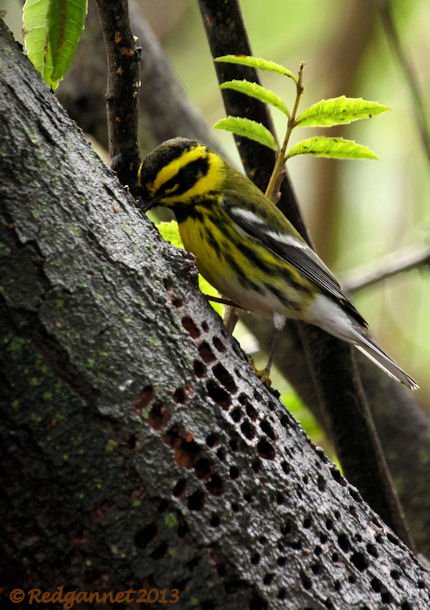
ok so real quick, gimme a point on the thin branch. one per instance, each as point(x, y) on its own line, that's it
point(408, 72)
point(123, 88)
point(393, 264)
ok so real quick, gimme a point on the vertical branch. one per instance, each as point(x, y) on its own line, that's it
point(123, 88)
point(226, 34)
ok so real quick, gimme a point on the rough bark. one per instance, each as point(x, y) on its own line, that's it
point(169, 113)
point(138, 449)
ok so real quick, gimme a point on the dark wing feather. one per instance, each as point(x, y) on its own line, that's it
point(298, 254)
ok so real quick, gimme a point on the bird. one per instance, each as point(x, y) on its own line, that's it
point(247, 248)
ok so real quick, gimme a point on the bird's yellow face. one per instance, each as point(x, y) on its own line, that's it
point(179, 174)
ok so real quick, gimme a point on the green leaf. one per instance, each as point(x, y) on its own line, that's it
point(51, 30)
point(337, 148)
point(170, 232)
point(256, 62)
point(248, 129)
point(338, 110)
point(260, 93)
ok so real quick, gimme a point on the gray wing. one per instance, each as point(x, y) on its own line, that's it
point(292, 250)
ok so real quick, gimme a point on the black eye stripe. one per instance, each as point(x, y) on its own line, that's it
point(186, 177)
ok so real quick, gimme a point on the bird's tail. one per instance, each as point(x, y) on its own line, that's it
point(336, 320)
point(381, 359)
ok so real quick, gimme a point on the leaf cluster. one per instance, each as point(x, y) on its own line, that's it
point(325, 113)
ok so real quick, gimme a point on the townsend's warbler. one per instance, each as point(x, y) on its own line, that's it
point(246, 248)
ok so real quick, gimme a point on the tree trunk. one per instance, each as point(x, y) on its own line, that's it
point(138, 448)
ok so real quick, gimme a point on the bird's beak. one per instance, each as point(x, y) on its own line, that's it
point(148, 204)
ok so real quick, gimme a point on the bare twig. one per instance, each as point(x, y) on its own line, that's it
point(408, 71)
point(123, 88)
point(391, 265)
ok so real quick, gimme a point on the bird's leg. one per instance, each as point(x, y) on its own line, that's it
point(278, 323)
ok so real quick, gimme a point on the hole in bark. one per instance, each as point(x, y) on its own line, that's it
point(267, 429)
point(316, 568)
point(177, 302)
point(248, 429)
point(395, 574)
point(307, 522)
point(360, 561)
point(306, 582)
point(265, 449)
point(296, 545)
point(218, 344)
point(186, 452)
point(392, 538)
point(421, 584)
point(355, 495)
point(328, 603)
point(233, 444)
point(372, 550)
point(206, 353)
point(386, 597)
point(234, 472)
point(256, 466)
point(337, 585)
point(236, 414)
point(202, 468)
point(343, 542)
point(352, 579)
point(337, 476)
point(305, 479)
point(215, 485)
point(251, 412)
point(160, 551)
point(267, 579)
point(376, 585)
point(329, 524)
point(323, 538)
point(212, 440)
point(406, 606)
point(215, 520)
point(224, 378)
point(179, 395)
point(285, 467)
point(255, 559)
point(318, 550)
point(284, 420)
point(335, 557)
point(143, 399)
point(280, 499)
point(144, 536)
point(282, 593)
point(248, 497)
point(159, 416)
point(379, 538)
point(321, 482)
point(196, 501)
point(199, 368)
point(218, 394)
point(220, 453)
point(179, 488)
point(235, 507)
point(281, 561)
point(191, 327)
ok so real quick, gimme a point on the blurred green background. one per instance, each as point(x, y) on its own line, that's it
point(358, 211)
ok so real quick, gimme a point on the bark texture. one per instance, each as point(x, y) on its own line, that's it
point(138, 449)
